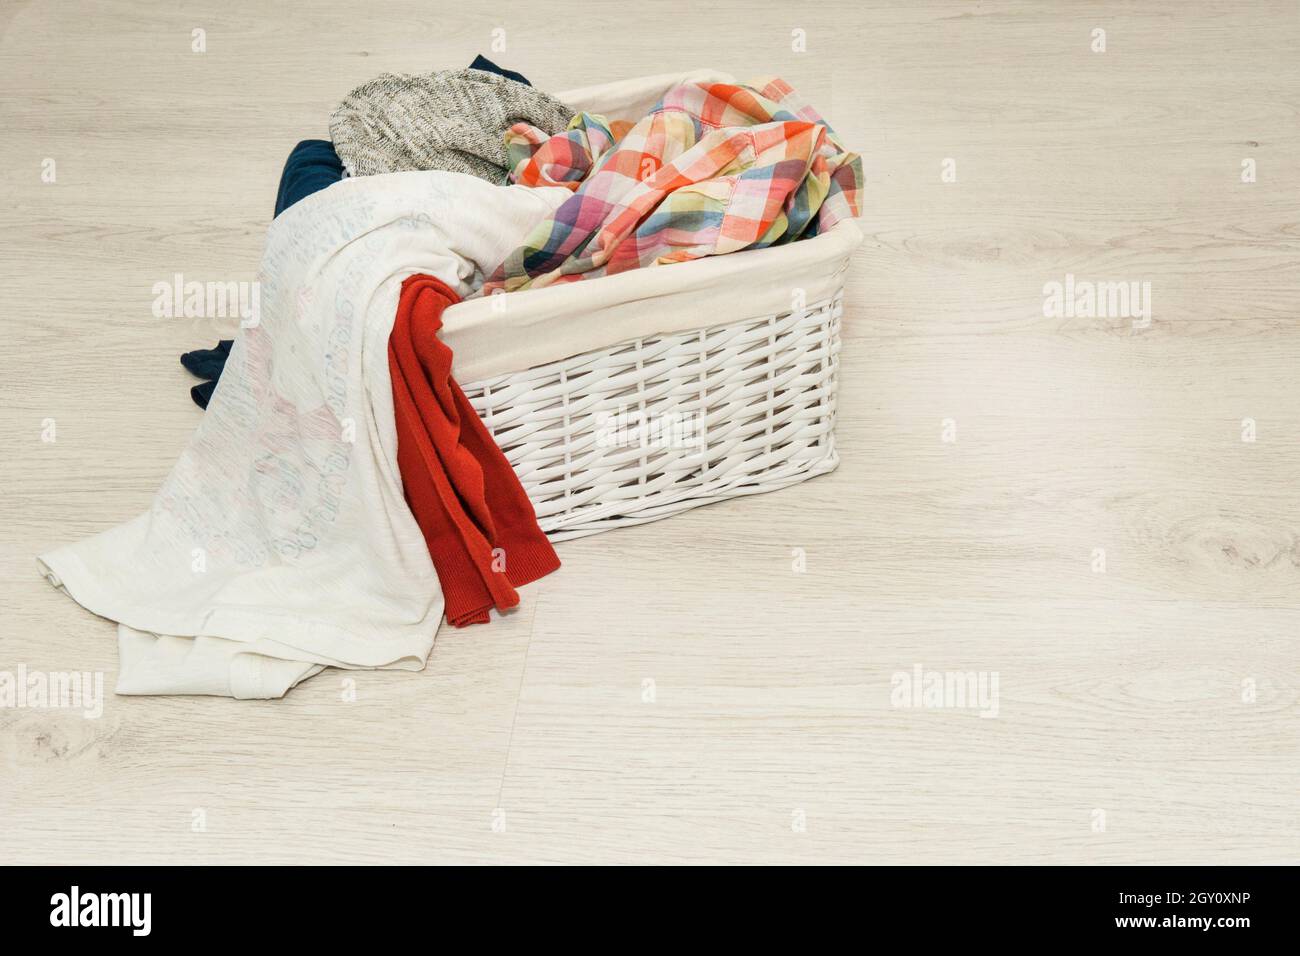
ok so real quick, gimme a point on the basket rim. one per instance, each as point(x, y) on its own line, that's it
point(514, 331)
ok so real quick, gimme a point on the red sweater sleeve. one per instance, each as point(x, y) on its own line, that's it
point(476, 518)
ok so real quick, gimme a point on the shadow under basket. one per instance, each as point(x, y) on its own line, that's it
point(658, 425)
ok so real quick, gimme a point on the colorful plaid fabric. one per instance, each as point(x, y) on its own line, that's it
point(564, 159)
point(714, 168)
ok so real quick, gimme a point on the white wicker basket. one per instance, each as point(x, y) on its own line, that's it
point(633, 397)
point(658, 425)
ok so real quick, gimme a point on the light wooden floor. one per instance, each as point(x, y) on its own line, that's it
point(1124, 692)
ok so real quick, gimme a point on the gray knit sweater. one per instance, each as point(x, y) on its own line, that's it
point(450, 119)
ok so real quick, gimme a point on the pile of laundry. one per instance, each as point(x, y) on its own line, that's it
point(341, 495)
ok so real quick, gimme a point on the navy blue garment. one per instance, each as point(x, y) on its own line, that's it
point(483, 63)
point(202, 393)
point(312, 165)
point(208, 363)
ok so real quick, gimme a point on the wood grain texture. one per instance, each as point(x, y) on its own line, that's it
point(1120, 691)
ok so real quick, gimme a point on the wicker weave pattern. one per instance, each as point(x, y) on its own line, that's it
point(656, 426)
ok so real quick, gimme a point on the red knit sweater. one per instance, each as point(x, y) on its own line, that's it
point(479, 524)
